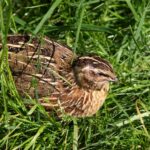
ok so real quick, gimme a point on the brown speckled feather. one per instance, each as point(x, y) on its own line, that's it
point(76, 85)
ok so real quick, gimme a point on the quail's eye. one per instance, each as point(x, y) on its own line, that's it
point(103, 74)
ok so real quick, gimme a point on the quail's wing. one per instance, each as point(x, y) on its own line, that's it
point(35, 64)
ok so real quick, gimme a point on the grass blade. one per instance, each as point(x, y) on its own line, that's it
point(47, 15)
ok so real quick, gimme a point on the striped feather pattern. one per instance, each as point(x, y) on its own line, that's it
point(76, 85)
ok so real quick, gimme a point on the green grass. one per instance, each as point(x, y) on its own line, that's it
point(117, 30)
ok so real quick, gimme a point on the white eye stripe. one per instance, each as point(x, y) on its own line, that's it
point(99, 72)
point(87, 57)
point(96, 62)
point(90, 68)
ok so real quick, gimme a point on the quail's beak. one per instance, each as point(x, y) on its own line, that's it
point(115, 79)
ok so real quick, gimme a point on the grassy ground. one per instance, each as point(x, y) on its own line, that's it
point(117, 30)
